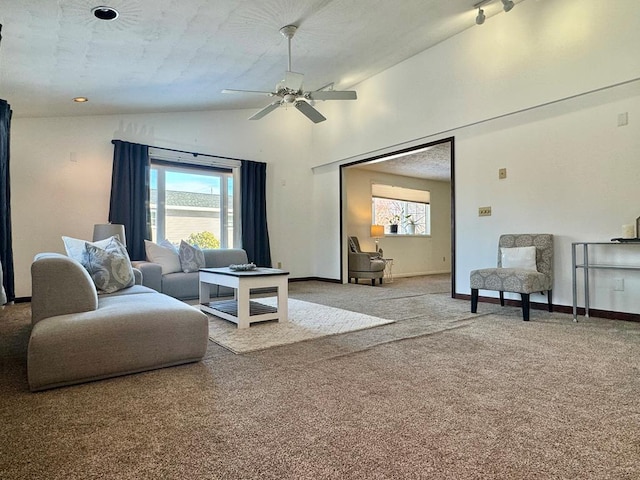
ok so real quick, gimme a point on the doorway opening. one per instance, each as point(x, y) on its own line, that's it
point(429, 167)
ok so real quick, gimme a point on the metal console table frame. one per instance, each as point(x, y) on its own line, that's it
point(586, 266)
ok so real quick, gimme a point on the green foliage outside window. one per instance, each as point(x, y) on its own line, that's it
point(204, 240)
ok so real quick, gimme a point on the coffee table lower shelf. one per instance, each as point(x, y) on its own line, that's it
point(228, 310)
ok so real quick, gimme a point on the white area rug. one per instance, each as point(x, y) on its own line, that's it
point(306, 321)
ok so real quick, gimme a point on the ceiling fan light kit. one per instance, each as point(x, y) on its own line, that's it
point(291, 92)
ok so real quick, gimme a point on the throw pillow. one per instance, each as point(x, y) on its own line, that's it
point(75, 247)
point(191, 257)
point(109, 267)
point(166, 256)
point(519, 257)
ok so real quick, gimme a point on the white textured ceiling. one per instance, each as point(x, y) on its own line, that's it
point(177, 55)
point(432, 163)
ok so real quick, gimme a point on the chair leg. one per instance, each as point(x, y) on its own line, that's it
point(549, 300)
point(525, 306)
point(373, 282)
point(502, 299)
point(474, 300)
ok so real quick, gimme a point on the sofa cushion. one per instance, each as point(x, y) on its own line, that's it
point(191, 257)
point(109, 267)
point(126, 334)
point(165, 255)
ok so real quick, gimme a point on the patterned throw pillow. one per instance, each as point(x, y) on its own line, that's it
point(191, 257)
point(109, 267)
point(75, 247)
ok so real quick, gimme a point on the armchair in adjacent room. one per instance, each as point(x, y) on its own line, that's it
point(525, 266)
point(367, 265)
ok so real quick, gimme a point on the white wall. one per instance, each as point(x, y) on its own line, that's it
point(571, 170)
point(412, 255)
point(61, 174)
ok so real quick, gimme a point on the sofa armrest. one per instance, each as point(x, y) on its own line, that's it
point(137, 276)
point(151, 274)
point(359, 262)
point(60, 285)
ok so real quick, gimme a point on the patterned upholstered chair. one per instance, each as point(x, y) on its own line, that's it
point(521, 269)
point(367, 265)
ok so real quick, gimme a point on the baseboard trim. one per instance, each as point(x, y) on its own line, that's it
point(608, 314)
point(420, 274)
point(317, 279)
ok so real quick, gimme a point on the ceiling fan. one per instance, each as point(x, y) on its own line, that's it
point(289, 91)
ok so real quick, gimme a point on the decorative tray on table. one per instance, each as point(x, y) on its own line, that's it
point(243, 267)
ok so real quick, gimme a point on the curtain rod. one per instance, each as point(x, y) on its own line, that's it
point(195, 154)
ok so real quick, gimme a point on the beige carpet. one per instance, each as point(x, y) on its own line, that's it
point(306, 322)
point(441, 394)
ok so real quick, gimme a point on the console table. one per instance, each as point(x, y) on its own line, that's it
point(586, 266)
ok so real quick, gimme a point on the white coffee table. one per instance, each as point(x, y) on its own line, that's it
point(241, 310)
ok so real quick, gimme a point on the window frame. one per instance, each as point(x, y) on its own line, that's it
point(404, 198)
point(226, 170)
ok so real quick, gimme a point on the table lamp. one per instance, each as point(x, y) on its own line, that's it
point(377, 231)
point(106, 230)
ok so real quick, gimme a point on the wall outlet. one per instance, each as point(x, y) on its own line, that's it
point(618, 284)
point(279, 264)
point(502, 173)
point(484, 211)
point(623, 119)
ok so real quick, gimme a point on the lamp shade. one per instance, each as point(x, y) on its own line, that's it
point(106, 230)
point(377, 231)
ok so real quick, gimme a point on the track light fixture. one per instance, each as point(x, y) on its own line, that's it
point(507, 5)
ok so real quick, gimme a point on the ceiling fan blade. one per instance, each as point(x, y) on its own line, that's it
point(333, 95)
point(268, 109)
point(259, 92)
point(310, 112)
point(293, 81)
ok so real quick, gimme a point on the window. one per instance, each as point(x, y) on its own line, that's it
point(407, 208)
point(194, 204)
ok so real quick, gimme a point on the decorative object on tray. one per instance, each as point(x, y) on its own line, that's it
point(243, 267)
point(626, 240)
point(629, 231)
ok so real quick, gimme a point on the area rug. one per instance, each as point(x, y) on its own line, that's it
point(306, 321)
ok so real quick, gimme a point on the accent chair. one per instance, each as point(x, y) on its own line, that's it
point(367, 265)
point(525, 266)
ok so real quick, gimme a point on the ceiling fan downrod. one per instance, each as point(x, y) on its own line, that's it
point(288, 32)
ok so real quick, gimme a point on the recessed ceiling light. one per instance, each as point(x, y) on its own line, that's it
point(81, 99)
point(105, 13)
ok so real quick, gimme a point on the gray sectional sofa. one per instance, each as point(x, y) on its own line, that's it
point(186, 286)
point(79, 335)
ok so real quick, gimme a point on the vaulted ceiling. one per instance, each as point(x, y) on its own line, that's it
point(177, 55)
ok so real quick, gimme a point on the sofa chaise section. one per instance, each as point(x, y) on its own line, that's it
point(79, 336)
